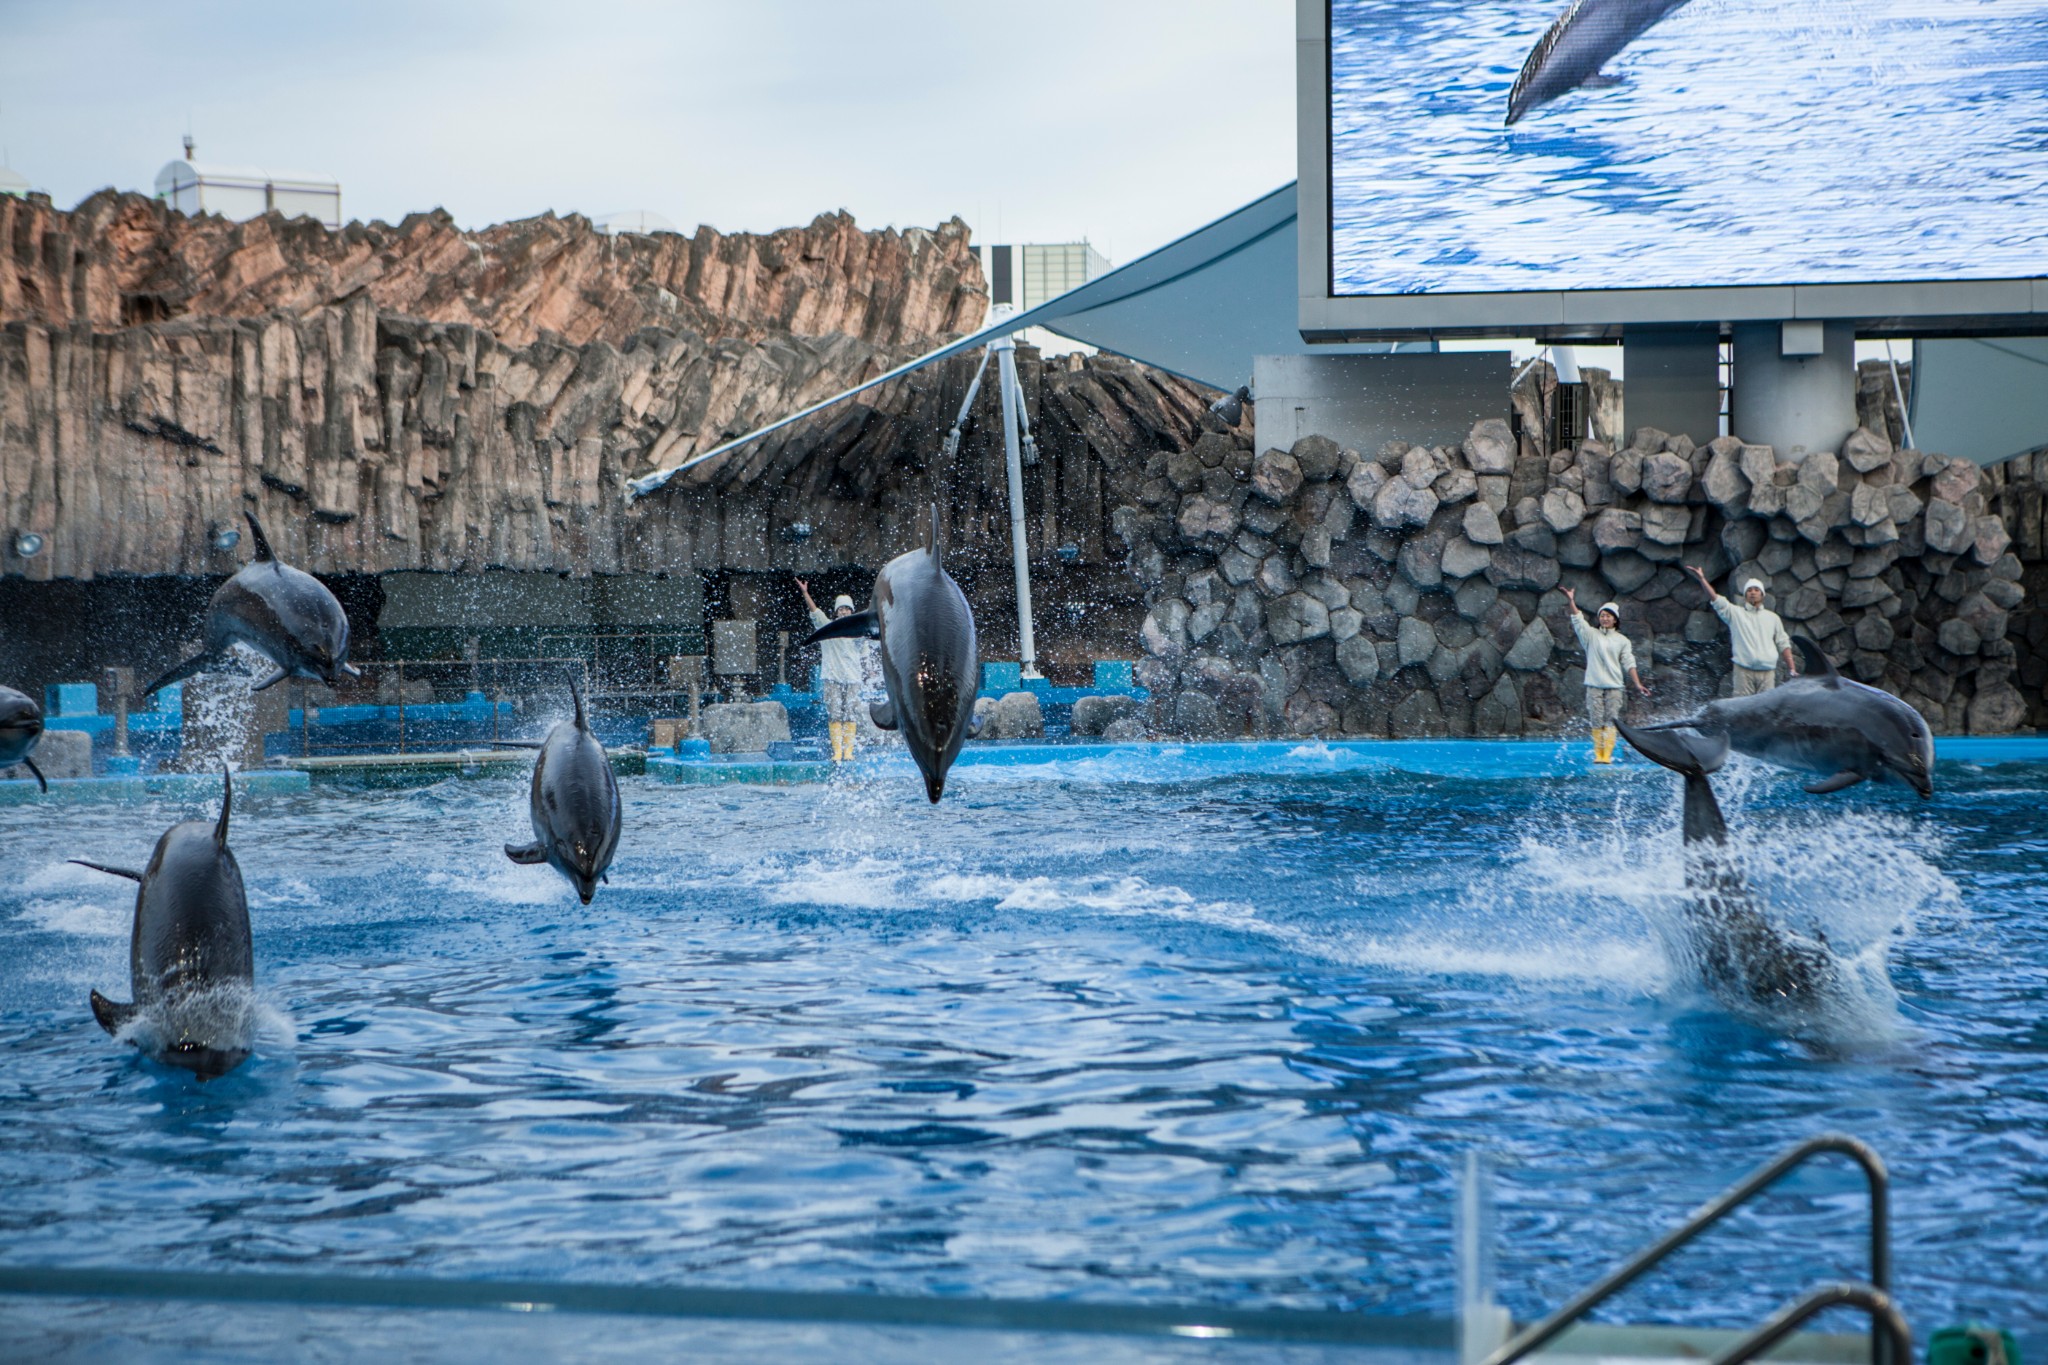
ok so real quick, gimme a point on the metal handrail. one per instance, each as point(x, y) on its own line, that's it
point(1713, 1212)
point(1884, 1314)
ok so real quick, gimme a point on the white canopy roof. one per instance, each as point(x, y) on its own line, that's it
point(1200, 307)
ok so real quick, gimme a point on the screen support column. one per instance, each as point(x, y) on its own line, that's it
point(1795, 385)
point(1671, 380)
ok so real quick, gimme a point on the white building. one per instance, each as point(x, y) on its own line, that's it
point(240, 192)
point(642, 222)
point(1026, 276)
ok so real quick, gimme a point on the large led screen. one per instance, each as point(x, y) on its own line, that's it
point(1480, 146)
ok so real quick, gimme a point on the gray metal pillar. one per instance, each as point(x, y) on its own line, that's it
point(1672, 381)
point(1020, 554)
point(1795, 385)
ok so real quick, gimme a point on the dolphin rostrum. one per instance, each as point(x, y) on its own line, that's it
point(282, 613)
point(574, 804)
point(929, 659)
point(1572, 52)
point(21, 726)
point(1822, 723)
point(1744, 959)
point(191, 967)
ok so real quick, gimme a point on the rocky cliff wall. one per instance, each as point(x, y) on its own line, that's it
point(371, 442)
point(122, 259)
point(1419, 591)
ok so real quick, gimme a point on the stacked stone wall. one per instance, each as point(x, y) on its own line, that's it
point(1420, 591)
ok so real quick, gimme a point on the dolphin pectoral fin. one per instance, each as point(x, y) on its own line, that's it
point(112, 1014)
point(197, 664)
point(41, 781)
point(1817, 664)
point(526, 853)
point(883, 714)
point(273, 680)
point(974, 727)
point(862, 625)
point(1840, 780)
point(1600, 80)
point(130, 873)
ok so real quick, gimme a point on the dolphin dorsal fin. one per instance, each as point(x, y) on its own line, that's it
point(931, 544)
point(576, 694)
point(264, 554)
point(227, 801)
point(1818, 665)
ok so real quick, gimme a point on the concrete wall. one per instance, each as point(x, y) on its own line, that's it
point(1364, 401)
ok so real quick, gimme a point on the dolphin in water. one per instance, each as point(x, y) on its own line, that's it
point(929, 658)
point(282, 613)
point(1822, 723)
point(21, 726)
point(1745, 960)
point(574, 804)
point(190, 962)
point(1574, 49)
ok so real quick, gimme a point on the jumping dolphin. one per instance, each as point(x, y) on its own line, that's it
point(1745, 960)
point(574, 805)
point(1572, 52)
point(1822, 723)
point(282, 613)
point(21, 726)
point(190, 963)
point(929, 660)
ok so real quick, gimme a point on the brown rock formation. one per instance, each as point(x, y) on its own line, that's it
point(121, 259)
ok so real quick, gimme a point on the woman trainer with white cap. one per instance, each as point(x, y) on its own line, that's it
point(1609, 659)
point(1756, 637)
point(840, 666)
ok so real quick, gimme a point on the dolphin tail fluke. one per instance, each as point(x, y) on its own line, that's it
point(130, 873)
point(264, 554)
point(41, 781)
point(1694, 755)
point(1816, 662)
point(227, 801)
point(198, 663)
point(862, 625)
point(114, 1015)
point(526, 853)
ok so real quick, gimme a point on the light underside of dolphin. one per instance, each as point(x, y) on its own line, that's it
point(1585, 37)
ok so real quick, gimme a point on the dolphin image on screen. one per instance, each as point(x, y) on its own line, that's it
point(1574, 49)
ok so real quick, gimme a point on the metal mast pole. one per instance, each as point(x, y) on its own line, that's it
point(1005, 349)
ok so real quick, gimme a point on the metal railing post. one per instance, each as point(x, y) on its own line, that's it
point(1712, 1212)
point(1887, 1324)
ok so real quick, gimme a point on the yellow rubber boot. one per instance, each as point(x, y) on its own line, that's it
point(846, 732)
point(839, 744)
point(1603, 744)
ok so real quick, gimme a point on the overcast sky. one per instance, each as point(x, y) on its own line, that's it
point(1125, 121)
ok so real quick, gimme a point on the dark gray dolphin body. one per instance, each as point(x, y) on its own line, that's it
point(574, 804)
point(1744, 959)
point(1822, 723)
point(282, 613)
point(21, 726)
point(190, 962)
point(1571, 53)
point(930, 661)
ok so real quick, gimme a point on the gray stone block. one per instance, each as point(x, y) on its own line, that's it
point(1093, 715)
point(744, 727)
point(61, 754)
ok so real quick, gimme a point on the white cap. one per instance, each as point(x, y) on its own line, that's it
point(841, 601)
point(1608, 606)
point(1756, 583)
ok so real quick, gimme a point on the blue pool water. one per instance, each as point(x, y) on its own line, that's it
point(1114, 1029)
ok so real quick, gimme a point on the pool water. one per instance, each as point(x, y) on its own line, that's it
point(1106, 1029)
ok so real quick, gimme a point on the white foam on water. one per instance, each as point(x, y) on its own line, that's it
point(504, 883)
point(84, 919)
point(865, 884)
